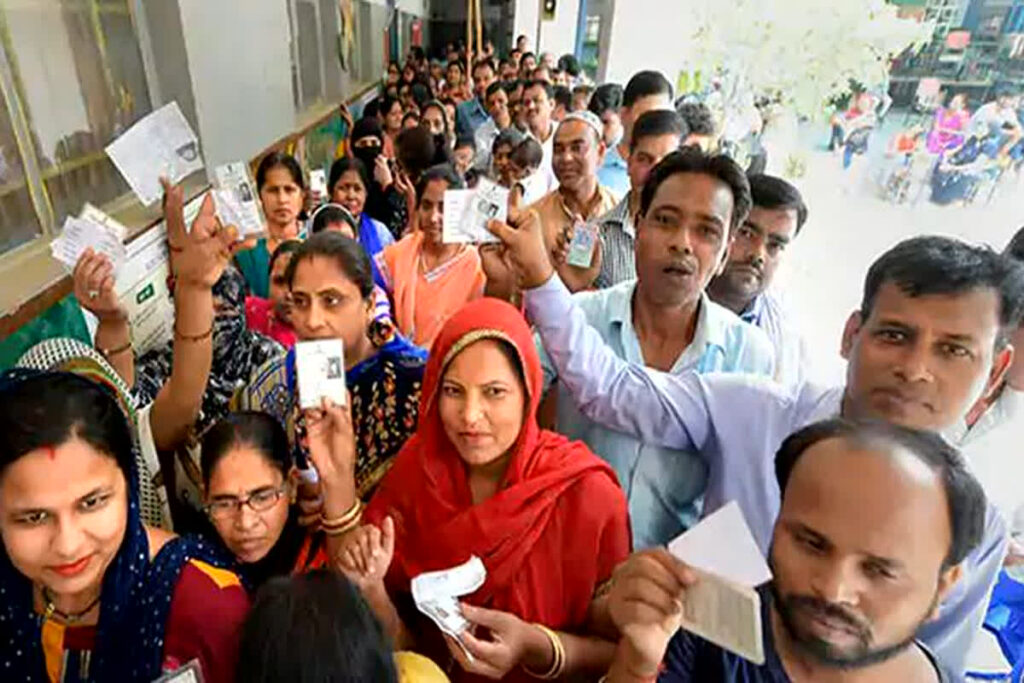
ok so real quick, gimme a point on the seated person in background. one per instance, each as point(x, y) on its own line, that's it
point(282, 188)
point(666, 321)
point(89, 592)
point(876, 522)
point(501, 156)
point(701, 123)
point(427, 279)
point(481, 478)
point(315, 628)
point(744, 285)
point(927, 301)
point(270, 316)
point(524, 162)
point(463, 155)
point(332, 298)
point(990, 436)
point(655, 134)
point(248, 489)
point(579, 199)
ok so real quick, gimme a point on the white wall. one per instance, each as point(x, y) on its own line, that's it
point(645, 34)
point(557, 36)
point(524, 22)
point(240, 65)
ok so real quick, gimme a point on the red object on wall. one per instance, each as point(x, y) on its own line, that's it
point(958, 40)
point(416, 33)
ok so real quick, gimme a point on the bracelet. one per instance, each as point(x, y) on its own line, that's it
point(341, 530)
point(120, 349)
point(558, 665)
point(192, 338)
point(349, 519)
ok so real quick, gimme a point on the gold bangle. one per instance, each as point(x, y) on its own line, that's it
point(192, 337)
point(341, 530)
point(120, 349)
point(346, 519)
point(558, 664)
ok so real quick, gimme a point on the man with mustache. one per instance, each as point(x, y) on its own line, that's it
point(663, 319)
point(929, 341)
point(744, 286)
point(875, 522)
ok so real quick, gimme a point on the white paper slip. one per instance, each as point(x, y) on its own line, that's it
point(318, 183)
point(455, 582)
point(723, 545)
point(320, 367)
point(78, 235)
point(116, 228)
point(581, 248)
point(160, 144)
point(235, 180)
point(726, 614)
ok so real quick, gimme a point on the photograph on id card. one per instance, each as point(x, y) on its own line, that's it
point(581, 249)
point(189, 673)
point(726, 614)
point(320, 368)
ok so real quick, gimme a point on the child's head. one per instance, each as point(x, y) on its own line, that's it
point(526, 158)
point(501, 153)
point(463, 154)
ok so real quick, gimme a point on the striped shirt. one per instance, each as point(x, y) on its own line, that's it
point(617, 233)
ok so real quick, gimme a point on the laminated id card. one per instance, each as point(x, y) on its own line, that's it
point(320, 368)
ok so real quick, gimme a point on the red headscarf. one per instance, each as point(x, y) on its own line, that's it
point(558, 524)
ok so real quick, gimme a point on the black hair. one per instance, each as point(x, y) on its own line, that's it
point(1015, 247)
point(563, 96)
point(417, 53)
point(528, 153)
point(440, 172)
point(656, 123)
point(549, 90)
point(930, 264)
point(372, 108)
point(569, 64)
point(693, 160)
point(528, 54)
point(387, 103)
point(279, 160)
point(511, 86)
point(343, 165)
point(47, 409)
point(411, 114)
point(465, 141)
point(583, 89)
point(420, 94)
point(472, 177)
point(415, 150)
point(606, 96)
point(457, 64)
point(698, 117)
point(367, 126)
point(331, 214)
point(495, 87)
point(484, 62)
point(511, 136)
point(964, 495)
point(286, 247)
point(310, 628)
point(347, 254)
point(770, 192)
point(251, 428)
point(645, 84)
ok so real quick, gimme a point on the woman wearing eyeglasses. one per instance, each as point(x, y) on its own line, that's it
point(246, 462)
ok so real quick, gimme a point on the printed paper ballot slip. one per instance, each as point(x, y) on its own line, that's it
point(466, 213)
point(80, 234)
point(723, 606)
point(237, 200)
point(320, 367)
point(161, 144)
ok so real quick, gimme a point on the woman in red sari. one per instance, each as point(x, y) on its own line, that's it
point(479, 477)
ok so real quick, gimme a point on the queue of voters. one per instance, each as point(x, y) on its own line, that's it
point(372, 451)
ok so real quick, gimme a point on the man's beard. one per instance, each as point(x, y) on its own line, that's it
point(824, 652)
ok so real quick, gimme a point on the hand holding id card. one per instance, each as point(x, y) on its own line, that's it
point(320, 369)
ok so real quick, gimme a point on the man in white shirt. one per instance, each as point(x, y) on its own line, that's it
point(539, 103)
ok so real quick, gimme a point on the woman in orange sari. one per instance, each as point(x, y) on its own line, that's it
point(427, 279)
point(480, 478)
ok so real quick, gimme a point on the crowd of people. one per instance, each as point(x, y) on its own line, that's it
point(180, 510)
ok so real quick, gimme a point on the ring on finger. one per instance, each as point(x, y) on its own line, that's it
point(93, 294)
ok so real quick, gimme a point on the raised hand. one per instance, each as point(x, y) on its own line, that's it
point(366, 553)
point(93, 279)
point(332, 441)
point(200, 255)
point(382, 172)
point(646, 603)
point(523, 239)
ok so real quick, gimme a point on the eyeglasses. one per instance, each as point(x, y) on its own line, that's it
point(260, 500)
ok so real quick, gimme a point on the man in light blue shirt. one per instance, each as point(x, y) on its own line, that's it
point(929, 341)
point(666, 321)
point(646, 91)
point(472, 114)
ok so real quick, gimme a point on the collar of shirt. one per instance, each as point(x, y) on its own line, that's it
point(712, 325)
point(1008, 406)
point(620, 217)
point(598, 205)
point(752, 314)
